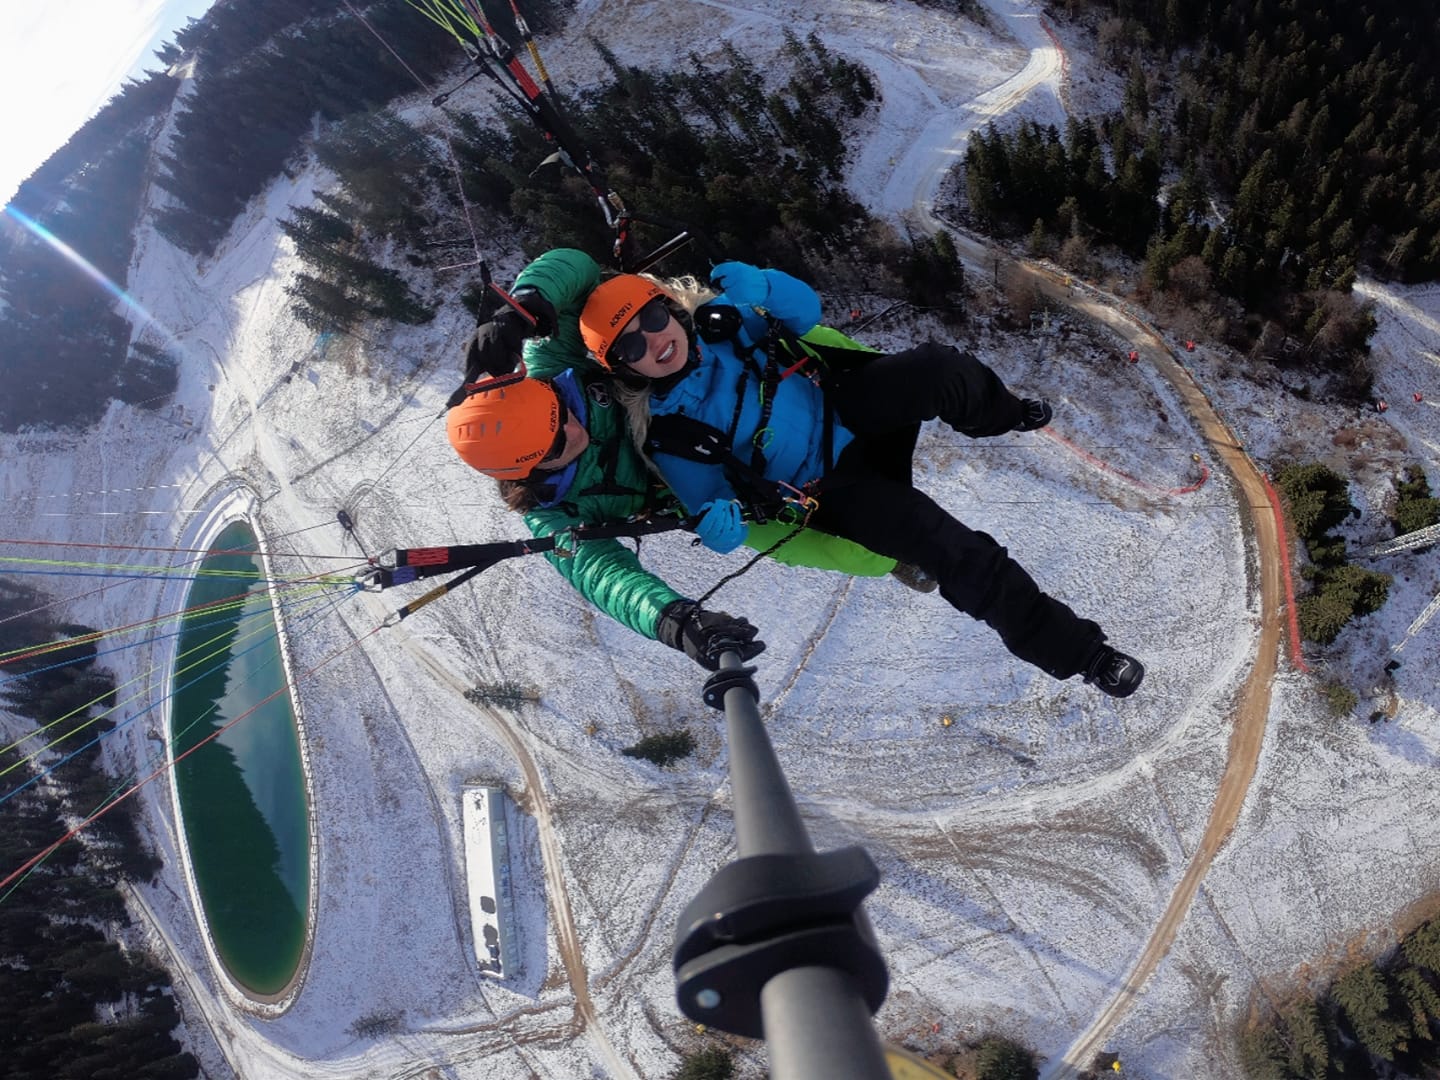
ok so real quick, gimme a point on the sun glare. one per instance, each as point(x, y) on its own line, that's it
point(93, 272)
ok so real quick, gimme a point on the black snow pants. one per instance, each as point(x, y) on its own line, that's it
point(869, 498)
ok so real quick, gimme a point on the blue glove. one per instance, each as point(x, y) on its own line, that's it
point(742, 283)
point(720, 527)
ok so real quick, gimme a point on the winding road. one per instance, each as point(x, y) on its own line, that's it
point(1253, 705)
point(1263, 528)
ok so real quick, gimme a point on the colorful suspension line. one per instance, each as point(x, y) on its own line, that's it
point(465, 21)
point(17, 875)
point(223, 650)
point(200, 554)
point(28, 652)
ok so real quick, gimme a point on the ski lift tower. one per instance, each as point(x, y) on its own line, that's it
point(1409, 542)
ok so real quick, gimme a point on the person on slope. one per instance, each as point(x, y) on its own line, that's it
point(736, 423)
point(558, 449)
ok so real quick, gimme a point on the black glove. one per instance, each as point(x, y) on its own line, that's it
point(703, 635)
point(495, 348)
point(532, 301)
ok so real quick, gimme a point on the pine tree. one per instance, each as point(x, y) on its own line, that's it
point(663, 749)
point(1364, 999)
point(1308, 1040)
point(1419, 999)
point(1004, 1059)
point(711, 1063)
point(1422, 947)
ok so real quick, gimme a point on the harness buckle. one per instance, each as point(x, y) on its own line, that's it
point(799, 507)
point(566, 544)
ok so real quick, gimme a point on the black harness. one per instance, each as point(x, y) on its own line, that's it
point(694, 440)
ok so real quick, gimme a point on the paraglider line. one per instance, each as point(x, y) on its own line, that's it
point(29, 864)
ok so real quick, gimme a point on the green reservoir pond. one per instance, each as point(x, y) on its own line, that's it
point(242, 795)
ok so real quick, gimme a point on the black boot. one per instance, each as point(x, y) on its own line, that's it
point(911, 576)
point(1034, 413)
point(1114, 673)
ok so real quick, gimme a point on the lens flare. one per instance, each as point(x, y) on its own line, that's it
point(93, 272)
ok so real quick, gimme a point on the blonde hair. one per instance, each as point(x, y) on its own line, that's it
point(688, 291)
point(633, 391)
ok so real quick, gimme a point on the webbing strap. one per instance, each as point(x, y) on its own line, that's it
point(403, 565)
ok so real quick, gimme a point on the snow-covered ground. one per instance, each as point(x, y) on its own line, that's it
point(1027, 849)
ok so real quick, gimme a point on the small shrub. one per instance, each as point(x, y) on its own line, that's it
point(1340, 595)
point(1415, 508)
point(501, 693)
point(1321, 617)
point(1341, 699)
point(1319, 499)
point(999, 1058)
point(712, 1063)
point(378, 1024)
point(663, 749)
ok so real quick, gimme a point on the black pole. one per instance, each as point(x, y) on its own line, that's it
point(767, 821)
point(775, 946)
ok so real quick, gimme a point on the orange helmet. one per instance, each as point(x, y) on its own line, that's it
point(507, 430)
point(612, 304)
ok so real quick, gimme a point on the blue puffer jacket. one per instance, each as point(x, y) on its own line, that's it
point(791, 442)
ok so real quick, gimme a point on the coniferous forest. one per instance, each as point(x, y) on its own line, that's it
point(1264, 154)
point(75, 1003)
point(1378, 1018)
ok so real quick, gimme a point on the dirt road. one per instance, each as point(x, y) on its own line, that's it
point(1253, 706)
point(562, 917)
point(1262, 526)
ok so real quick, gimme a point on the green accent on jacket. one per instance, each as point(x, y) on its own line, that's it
point(611, 484)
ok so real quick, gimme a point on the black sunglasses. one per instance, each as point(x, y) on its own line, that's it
point(630, 347)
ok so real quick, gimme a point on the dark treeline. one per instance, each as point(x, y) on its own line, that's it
point(1377, 1019)
point(257, 97)
point(1034, 174)
point(269, 71)
point(389, 172)
point(1293, 142)
point(73, 1003)
point(263, 77)
point(134, 108)
point(1315, 121)
point(64, 338)
point(750, 171)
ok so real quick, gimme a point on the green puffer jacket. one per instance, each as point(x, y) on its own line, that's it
point(565, 277)
point(611, 483)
